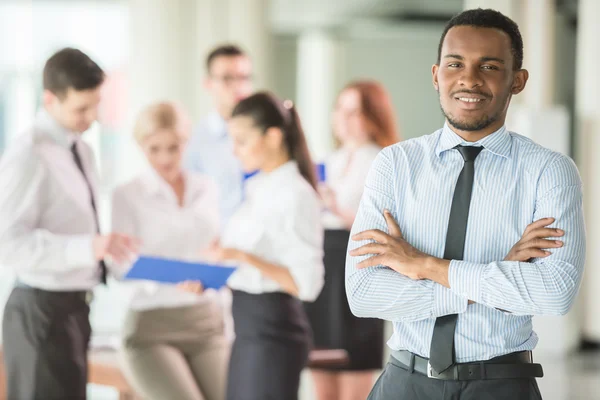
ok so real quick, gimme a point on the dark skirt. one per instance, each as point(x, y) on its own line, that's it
point(333, 324)
point(272, 340)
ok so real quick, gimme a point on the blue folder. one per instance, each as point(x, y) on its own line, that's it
point(174, 271)
point(321, 172)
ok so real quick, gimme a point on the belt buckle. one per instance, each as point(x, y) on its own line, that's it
point(431, 372)
point(89, 297)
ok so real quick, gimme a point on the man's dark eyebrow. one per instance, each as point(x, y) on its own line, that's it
point(454, 56)
point(484, 59)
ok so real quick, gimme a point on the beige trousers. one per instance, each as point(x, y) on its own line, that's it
point(176, 353)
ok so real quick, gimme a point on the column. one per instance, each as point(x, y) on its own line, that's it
point(510, 8)
point(170, 40)
point(538, 35)
point(316, 85)
point(20, 92)
point(588, 135)
point(159, 34)
point(248, 26)
point(20, 104)
point(536, 116)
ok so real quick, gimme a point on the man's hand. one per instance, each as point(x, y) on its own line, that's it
point(116, 246)
point(391, 250)
point(534, 242)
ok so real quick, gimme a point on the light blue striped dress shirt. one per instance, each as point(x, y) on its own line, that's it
point(210, 152)
point(516, 182)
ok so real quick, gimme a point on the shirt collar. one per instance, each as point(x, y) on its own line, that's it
point(55, 131)
point(498, 143)
point(216, 125)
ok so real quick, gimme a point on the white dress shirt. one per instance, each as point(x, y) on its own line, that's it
point(147, 208)
point(279, 221)
point(47, 223)
point(346, 171)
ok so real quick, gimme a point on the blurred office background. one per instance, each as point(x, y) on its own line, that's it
point(305, 50)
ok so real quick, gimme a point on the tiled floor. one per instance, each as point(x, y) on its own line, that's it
point(576, 378)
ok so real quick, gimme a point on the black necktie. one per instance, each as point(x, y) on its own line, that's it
point(442, 343)
point(87, 182)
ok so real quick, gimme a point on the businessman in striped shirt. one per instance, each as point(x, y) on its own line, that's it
point(465, 234)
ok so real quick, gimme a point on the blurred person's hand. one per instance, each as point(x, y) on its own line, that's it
point(195, 287)
point(216, 253)
point(534, 242)
point(328, 196)
point(120, 248)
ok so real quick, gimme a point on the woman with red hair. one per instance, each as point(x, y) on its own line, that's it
point(363, 123)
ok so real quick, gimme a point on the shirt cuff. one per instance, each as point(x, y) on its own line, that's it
point(465, 279)
point(446, 302)
point(80, 252)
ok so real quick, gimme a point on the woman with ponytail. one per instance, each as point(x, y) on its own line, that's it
point(276, 239)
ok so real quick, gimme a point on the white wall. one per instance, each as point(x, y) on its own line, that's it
point(401, 58)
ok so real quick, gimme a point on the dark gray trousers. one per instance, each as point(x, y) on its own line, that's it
point(397, 383)
point(45, 342)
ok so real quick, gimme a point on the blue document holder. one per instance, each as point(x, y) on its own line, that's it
point(174, 271)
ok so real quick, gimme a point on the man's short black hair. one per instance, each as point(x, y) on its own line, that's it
point(488, 19)
point(71, 68)
point(227, 50)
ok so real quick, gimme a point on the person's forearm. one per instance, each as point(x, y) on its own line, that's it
point(542, 288)
point(380, 292)
point(279, 274)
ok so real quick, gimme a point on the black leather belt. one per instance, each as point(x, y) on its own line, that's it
point(85, 295)
point(510, 366)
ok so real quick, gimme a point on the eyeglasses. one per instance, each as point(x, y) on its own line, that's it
point(231, 79)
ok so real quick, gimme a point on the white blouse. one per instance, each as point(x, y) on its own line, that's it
point(279, 221)
point(147, 208)
point(345, 174)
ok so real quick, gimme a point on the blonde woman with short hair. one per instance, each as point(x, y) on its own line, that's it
point(173, 343)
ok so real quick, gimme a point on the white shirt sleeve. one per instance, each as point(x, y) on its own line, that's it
point(301, 244)
point(123, 222)
point(23, 246)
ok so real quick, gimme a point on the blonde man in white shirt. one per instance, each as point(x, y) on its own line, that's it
point(363, 123)
point(173, 338)
point(49, 235)
point(276, 238)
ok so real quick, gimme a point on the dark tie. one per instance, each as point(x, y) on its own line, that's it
point(89, 186)
point(442, 343)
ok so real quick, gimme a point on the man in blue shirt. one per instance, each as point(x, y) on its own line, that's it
point(433, 247)
point(210, 149)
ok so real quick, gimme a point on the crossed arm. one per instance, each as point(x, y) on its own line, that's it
point(400, 283)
